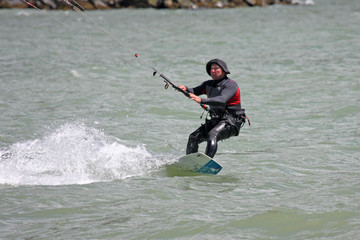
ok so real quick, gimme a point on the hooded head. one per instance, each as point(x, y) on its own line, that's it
point(219, 62)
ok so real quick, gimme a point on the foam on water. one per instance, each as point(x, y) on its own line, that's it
point(75, 73)
point(73, 154)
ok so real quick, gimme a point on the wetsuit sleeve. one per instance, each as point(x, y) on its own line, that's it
point(199, 90)
point(226, 94)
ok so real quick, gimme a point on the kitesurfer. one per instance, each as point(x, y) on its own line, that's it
point(226, 114)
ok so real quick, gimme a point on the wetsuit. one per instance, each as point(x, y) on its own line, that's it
point(226, 115)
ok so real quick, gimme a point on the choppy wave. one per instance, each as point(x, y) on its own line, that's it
point(73, 154)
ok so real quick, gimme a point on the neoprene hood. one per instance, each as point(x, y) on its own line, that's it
point(219, 62)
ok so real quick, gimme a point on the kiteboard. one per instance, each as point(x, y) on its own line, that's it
point(199, 163)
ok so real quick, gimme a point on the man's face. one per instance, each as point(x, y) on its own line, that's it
point(216, 72)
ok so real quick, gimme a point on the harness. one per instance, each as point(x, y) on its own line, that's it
point(235, 119)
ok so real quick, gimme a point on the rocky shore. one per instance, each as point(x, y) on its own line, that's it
point(171, 4)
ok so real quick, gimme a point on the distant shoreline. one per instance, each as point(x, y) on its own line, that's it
point(157, 4)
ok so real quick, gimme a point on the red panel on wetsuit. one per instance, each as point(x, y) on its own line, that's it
point(235, 99)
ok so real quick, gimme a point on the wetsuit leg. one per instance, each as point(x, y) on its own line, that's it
point(220, 132)
point(211, 146)
point(195, 138)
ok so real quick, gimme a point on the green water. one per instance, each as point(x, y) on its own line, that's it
point(87, 133)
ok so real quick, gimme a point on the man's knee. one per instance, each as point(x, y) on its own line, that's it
point(212, 136)
point(218, 132)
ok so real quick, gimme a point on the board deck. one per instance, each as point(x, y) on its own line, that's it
point(200, 163)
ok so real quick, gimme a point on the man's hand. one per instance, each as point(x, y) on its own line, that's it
point(182, 87)
point(195, 98)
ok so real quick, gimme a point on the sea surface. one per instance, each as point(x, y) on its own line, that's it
point(87, 133)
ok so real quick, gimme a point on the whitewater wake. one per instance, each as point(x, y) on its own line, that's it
point(74, 154)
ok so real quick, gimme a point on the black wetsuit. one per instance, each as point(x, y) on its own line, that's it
point(227, 117)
